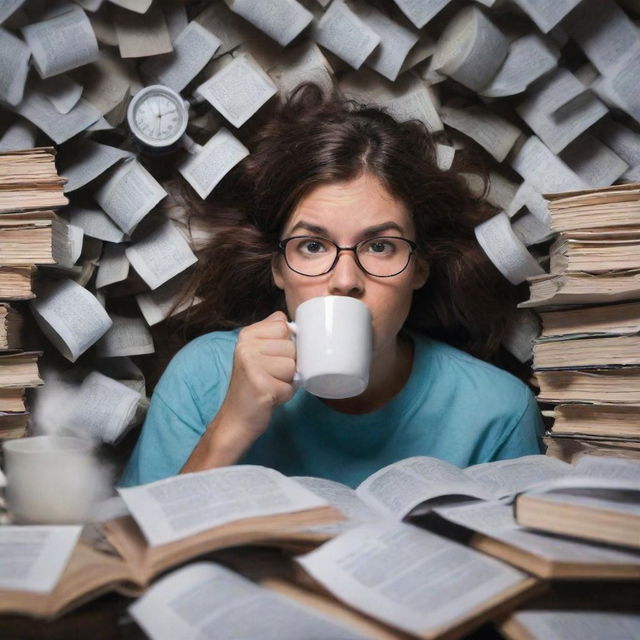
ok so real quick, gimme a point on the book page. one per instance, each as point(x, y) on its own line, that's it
point(624, 85)
point(343, 33)
point(576, 625)
point(126, 337)
point(173, 508)
point(344, 498)
point(206, 600)
point(129, 194)
point(14, 67)
point(444, 156)
point(405, 99)
point(398, 488)
point(547, 13)
point(8, 7)
point(61, 43)
point(508, 477)
point(19, 135)
point(169, 299)
point(95, 223)
point(192, 49)
point(238, 89)
point(61, 91)
point(302, 63)
point(471, 49)
point(543, 170)
point(593, 161)
point(204, 169)
point(114, 266)
point(604, 32)
point(529, 58)
point(608, 468)
point(505, 250)
point(70, 316)
point(496, 520)
point(559, 108)
point(32, 558)
point(38, 110)
point(225, 25)
point(161, 255)
point(141, 35)
point(395, 40)
point(281, 20)
point(493, 133)
point(519, 338)
point(530, 230)
point(531, 200)
point(83, 163)
point(102, 408)
point(410, 578)
point(623, 141)
point(420, 12)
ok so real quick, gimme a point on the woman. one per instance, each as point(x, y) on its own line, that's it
point(326, 176)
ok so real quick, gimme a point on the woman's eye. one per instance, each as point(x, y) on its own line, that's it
point(380, 246)
point(311, 247)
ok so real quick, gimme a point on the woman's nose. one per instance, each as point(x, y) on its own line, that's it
point(346, 278)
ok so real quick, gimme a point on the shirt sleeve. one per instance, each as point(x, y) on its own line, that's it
point(181, 407)
point(525, 436)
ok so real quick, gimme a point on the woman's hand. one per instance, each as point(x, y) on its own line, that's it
point(262, 377)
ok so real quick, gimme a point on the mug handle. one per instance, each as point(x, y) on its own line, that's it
point(297, 378)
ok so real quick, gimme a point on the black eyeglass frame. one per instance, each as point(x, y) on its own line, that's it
point(282, 248)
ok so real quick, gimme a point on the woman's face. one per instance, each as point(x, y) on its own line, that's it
point(347, 213)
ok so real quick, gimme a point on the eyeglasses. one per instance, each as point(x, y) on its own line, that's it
point(382, 256)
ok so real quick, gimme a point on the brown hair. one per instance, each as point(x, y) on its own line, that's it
point(313, 138)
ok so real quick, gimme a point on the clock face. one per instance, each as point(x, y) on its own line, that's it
point(157, 117)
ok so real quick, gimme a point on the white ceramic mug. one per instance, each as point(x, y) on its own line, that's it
point(50, 479)
point(334, 340)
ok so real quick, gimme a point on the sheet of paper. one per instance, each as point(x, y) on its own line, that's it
point(86, 161)
point(14, 67)
point(19, 135)
point(129, 194)
point(524, 329)
point(343, 33)
point(61, 91)
point(139, 6)
point(529, 58)
point(225, 25)
point(408, 577)
point(193, 48)
point(624, 141)
point(127, 336)
point(8, 7)
point(529, 229)
point(161, 255)
point(38, 110)
point(445, 155)
point(526, 197)
point(32, 558)
point(204, 170)
point(604, 31)
point(102, 408)
point(141, 35)
point(202, 598)
point(547, 13)
point(624, 84)
point(492, 132)
point(593, 161)
point(471, 49)
point(168, 299)
point(505, 250)
point(238, 89)
point(282, 20)
point(543, 170)
point(186, 504)
point(114, 266)
point(421, 12)
point(69, 316)
point(559, 108)
point(396, 40)
point(300, 64)
point(405, 99)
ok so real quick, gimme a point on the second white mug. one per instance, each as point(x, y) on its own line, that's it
point(334, 341)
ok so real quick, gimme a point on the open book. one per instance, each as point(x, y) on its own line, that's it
point(589, 507)
point(171, 521)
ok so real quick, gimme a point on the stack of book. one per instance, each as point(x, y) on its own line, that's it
point(30, 234)
point(587, 358)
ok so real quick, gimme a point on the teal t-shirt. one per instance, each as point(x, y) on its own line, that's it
point(453, 406)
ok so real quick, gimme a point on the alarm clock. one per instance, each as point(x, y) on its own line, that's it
point(158, 118)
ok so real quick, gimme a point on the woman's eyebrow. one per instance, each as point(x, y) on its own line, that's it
point(365, 233)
